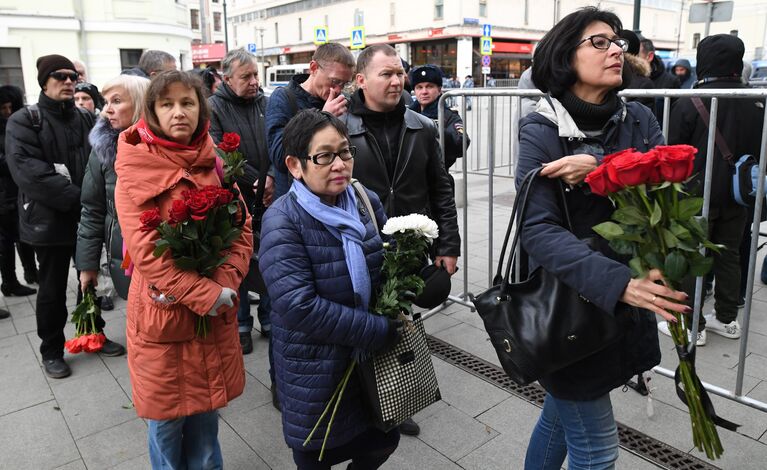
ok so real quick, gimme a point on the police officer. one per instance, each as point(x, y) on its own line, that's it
point(427, 83)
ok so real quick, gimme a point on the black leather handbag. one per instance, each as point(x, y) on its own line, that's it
point(540, 325)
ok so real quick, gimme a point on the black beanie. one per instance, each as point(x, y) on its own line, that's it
point(720, 55)
point(632, 39)
point(50, 63)
point(427, 73)
point(93, 91)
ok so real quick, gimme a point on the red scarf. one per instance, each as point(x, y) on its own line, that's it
point(149, 137)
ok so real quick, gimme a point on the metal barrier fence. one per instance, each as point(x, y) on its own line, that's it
point(486, 142)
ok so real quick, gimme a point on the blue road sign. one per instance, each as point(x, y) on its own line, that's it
point(358, 38)
point(486, 45)
point(252, 48)
point(485, 61)
point(487, 30)
point(320, 35)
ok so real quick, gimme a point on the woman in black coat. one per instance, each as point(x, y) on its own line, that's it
point(579, 63)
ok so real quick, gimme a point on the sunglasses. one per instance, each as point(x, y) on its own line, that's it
point(62, 76)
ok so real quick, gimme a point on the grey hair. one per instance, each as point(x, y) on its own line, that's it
point(240, 55)
point(134, 86)
point(154, 61)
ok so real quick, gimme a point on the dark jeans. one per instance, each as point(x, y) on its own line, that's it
point(368, 451)
point(725, 227)
point(51, 308)
point(9, 236)
point(245, 318)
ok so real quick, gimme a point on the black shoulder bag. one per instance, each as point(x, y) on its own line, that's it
point(540, 325)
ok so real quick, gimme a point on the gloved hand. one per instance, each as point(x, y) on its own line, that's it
point(62, 169)
point(226, 297)
point(393, 335)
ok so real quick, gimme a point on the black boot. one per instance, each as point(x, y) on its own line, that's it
point(106, 303)
point(56, 368)
point(246, 341)
point(16, 290)
point(4, 314)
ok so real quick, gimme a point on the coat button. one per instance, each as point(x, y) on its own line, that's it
point(170, 298)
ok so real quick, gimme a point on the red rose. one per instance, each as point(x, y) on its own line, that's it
point(178, 212)
point(608, 158)
point(629, 169)
point(94, 342)
point(224, 196)
point(74, 345)
point(599, 182)
point(150, 220)
point(198, 204)
point(230, 142)
point(651, 159)
point(675, 162)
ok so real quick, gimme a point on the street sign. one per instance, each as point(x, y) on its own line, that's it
point(485, 70)
point(485, 61)
point(358, 37)
point(486, 45)
point(252, 48)
point(720, 11)
point(320, 35)
point(487, 30)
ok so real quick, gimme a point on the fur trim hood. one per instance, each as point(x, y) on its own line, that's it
point(103, 139)
point(640, 66)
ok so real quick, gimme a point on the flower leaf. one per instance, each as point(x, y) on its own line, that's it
point(675, 267)
point(669, 239)
point(637, 267)
point(657, 214)
point(689, 207)
point(700, 265)
point(161, 246)
point(622, 247)
point(630, 215)
point(608, 230)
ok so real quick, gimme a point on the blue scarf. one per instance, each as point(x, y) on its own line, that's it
point(343, 221)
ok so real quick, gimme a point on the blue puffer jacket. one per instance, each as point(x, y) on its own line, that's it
point(596, 275)
point(314, 323)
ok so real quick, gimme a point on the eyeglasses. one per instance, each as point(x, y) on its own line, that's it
point(62, 76)
point(334, 82)
point(326, 158)
point(603, 42)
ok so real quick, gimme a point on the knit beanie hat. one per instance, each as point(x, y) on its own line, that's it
point(93, 91)
point(720, 55)
point(50, 63)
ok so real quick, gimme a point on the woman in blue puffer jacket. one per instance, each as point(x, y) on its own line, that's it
point(321, 258)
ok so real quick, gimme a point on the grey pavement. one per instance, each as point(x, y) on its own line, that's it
point(86, 421)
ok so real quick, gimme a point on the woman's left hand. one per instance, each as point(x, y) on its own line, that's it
point(572, 169)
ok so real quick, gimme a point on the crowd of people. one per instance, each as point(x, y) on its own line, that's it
point(79, 168)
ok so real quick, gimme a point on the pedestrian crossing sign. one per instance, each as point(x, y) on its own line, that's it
point(486, 45)
point(320, 35)
point(358, 38)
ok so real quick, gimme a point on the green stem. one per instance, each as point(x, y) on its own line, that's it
point(335, 408)
point(330, 402)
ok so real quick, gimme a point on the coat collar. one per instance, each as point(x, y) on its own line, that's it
point(356, 126)
point(565, 123)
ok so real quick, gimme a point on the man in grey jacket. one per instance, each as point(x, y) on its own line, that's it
point(238, 105)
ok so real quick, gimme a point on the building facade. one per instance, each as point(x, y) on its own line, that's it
point(442, 32)
point(106, 35)
point(206, 19)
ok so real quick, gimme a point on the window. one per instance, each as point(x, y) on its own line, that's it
point(276, 33)
point(216, 1)
point(391, 14)
point(195, 19)
point(129, 58)
point(483, 8)
point(359, 17)
point(10, 67)
point(439, 7)
point(300, 31)
point(217, 21)
point(695, 40)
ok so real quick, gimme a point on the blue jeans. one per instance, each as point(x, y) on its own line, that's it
point(584, 431)
point(189, 443)
point(245, 319)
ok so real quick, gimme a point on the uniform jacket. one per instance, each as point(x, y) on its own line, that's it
point(420, 183)
point(230, 113)
point(453, 136)
point(173, 372)
point(49, 204)
point(597, 275)
point(315, 326)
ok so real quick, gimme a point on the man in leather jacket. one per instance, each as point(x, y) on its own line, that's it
point(398, 155)
point(427, 82)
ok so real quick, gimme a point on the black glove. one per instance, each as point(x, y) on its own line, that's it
point(393, 335)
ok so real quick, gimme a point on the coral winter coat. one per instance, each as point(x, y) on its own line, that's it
point(173, 372)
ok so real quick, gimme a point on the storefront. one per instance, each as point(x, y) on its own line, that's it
point(508, 61)
point(442, 53)
point(204, 55)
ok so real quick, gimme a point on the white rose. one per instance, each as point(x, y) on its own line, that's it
point(416, 222)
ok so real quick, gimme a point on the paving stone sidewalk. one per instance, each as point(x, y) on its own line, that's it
point(86, 421)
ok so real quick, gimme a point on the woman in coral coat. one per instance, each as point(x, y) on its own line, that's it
point(178, 379)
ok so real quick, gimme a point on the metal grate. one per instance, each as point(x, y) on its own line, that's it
point(631, 440)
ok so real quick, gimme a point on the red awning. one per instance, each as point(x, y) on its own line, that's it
point(513, 47)
point(208, 52)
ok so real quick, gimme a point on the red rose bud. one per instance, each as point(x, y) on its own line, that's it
point(178, 212)
point(600, 183)
point(94, 342)
point(629, 169)
point(150, 220)
point(609, 158)
point(199, 205)
point(675, 162)
point(651, 159)
point(230, 142)
point(74, 345)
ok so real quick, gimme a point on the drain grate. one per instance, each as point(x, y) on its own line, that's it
point(639, 444)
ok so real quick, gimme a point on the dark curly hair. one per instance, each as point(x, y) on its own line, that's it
point(553, 70)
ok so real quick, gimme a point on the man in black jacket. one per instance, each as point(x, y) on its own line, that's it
point(398, 155)
point(47, 150)
point(719, 65)
point(238, 105)
point(660, 77)
point(427, 83)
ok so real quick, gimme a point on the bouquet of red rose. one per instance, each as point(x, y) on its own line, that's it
point(199, 229)
point(87, 337)
point(657, 224)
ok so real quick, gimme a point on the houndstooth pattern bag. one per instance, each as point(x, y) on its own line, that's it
point(402, 381)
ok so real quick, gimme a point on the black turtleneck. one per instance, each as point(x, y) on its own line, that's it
point(385, 127)
point(588, 116)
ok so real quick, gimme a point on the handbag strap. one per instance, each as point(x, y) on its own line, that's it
point(721, 144)
point(360, 190)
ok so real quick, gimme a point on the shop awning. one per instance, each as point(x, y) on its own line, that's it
point(207, 52)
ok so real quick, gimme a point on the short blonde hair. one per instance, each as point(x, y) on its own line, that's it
point(136, 88)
